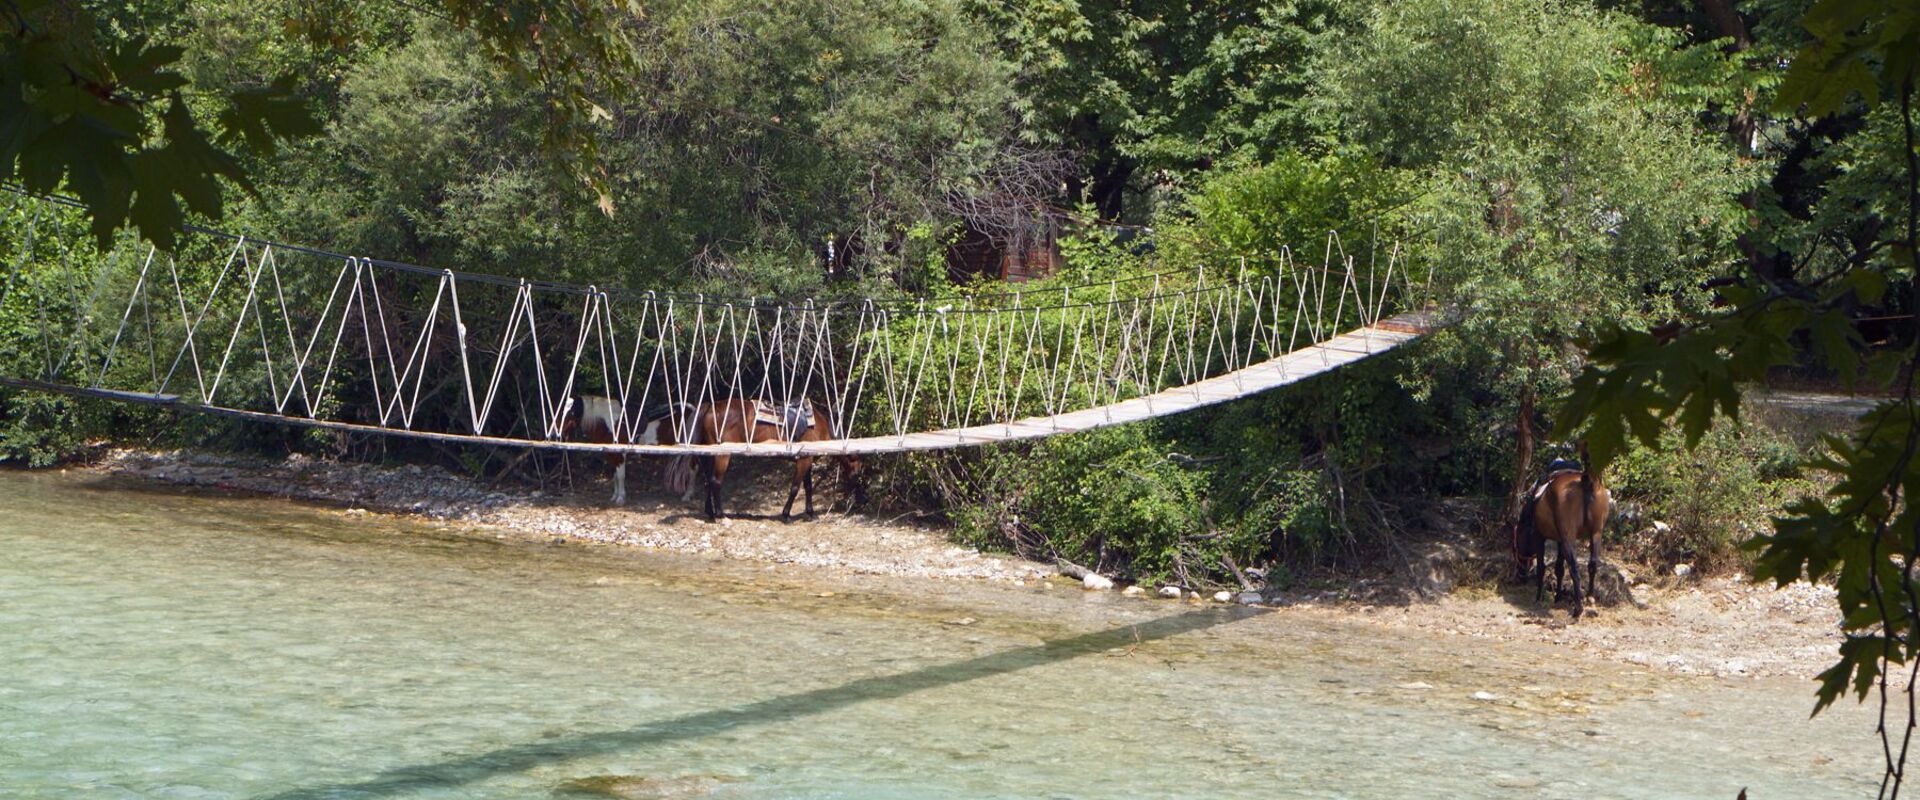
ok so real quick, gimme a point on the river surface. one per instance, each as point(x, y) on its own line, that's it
point(162, 644)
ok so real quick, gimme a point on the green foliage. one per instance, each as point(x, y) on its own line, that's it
point(1161, 88)
point(1294, 202)
point(105, 115)
point(774, 130)
point(1109, 498)
point(1565, 185)
point(90, 108)
point(1860, 51)
point(1713, 496)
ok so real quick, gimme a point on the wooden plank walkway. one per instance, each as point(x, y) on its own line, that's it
point(1293, 367)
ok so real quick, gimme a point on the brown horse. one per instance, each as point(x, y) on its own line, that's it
point(735, 421)
point(1570, 506)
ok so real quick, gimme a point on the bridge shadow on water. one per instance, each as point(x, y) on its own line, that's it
point(519, 758)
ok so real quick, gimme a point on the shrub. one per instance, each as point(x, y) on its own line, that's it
point(1710, 499)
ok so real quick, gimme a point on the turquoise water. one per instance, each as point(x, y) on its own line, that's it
point(157, 644)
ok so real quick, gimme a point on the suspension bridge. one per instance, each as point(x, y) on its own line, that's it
point(243, 327)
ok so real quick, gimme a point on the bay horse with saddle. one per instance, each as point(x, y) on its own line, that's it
point(1569, 506)
point(747, 421)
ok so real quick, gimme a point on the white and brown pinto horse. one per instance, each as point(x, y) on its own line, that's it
point(598, 420)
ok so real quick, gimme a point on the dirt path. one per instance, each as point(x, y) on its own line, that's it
point(1717, 626)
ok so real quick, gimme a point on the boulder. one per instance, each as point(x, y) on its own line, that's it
point(1170, 592)
point(1611, 586)
point(1433, 567)
point(1096, 582)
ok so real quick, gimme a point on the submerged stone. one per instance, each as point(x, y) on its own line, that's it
point(635, 787)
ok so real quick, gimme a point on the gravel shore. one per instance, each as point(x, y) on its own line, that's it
point(851, 543)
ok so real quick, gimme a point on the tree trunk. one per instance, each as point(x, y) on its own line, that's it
point(1523, 466)
point(1744, 128)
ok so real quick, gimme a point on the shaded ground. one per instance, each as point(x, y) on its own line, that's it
point(1815, 402)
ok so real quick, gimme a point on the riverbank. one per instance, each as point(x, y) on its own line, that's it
point(1718, 626)
point(852, 543)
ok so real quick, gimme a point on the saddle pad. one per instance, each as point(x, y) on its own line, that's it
point(766, 414)
point(1540, 489)
point(792, 419)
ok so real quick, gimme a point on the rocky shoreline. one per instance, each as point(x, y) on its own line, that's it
point(1684, 624)
point(851, 543)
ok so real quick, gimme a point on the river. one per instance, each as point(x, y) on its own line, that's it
point(162, 644)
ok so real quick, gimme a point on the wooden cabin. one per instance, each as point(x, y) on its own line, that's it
point(1032, 252)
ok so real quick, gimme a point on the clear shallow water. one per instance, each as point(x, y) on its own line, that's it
point(155, 644)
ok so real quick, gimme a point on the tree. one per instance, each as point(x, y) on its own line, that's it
point(92, 104)
point(1561, 187)
point(754, 134)
point(1859, 237)
point(1146, 90)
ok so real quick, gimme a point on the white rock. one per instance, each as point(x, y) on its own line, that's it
point(1222, 597)
point(1096, 582)
point(1485, 696)
point(1682, 570)
point(1170, 592)
point(1133, 591)
point(1661, 527)
point(1248, 598)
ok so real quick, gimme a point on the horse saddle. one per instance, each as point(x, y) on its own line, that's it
point(1554, 470)
point(793, 418)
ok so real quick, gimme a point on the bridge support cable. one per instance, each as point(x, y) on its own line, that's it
point(260, 330)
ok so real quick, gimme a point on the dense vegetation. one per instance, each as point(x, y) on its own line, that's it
point(702, 144)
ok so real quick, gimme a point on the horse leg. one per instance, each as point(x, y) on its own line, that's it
point(1540, 573)
point(1579, 600)
point(706, 477)
point(793, 490)
point(620, 483)
point(1559, 570)
point(716, 477)
point(1593, 563)
point(806, 467)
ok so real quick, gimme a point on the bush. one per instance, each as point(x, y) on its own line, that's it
point(1109, 499)
point(1710, 499)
